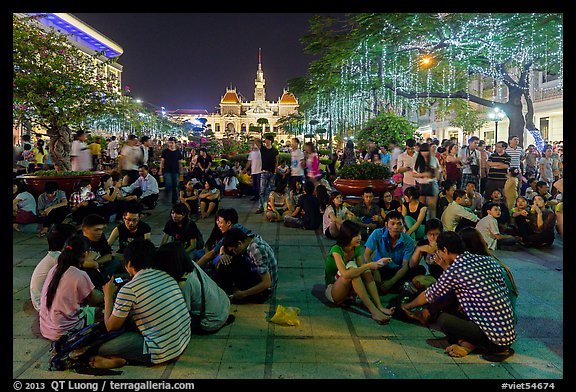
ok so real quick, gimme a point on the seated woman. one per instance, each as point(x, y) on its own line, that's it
point(387, 203)
point(209, 198)
point(123, 199)
point(334, 215)
point(445, 197)
point(66, 290)
point(414, 212)
point(182, 229)
point(296, 191)
point(189, 196)
point(208, 304)
point(232, 186)
point(426, 248)
point(323, 196)
point(106, 196)
point(82, 201)
point(23, 205)
point(52, 206)
point(346, 274)
point(539, 230)
point(278, 205)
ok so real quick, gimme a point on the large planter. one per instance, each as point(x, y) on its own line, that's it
point(36, 184)
point(355, 187)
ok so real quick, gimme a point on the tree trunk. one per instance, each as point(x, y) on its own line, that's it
point(513, 109)
point(60, 146)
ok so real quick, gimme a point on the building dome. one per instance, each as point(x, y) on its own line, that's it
point(288, 99)
point(230, 97)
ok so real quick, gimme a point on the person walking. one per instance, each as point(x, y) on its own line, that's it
point(269, 168)
point(170, 168)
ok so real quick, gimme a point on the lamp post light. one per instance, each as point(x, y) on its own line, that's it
point(496, 115)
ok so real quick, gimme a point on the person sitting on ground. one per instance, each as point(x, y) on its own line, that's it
point(252, 277)
point(226, 218)
point(475, 199)
point(232, 186)
point(82, 201)
point(390, 241)
point(57, 236)
point(66, 290)
point(278, 204)
point(106, 196)
point(150, 336)
point(531, 190)
point(282, 173)
point(543, 189)
point(367, 213)
point(321, 192)
point(122, 199)
point(104, 263)
point(414, 212)
point(504, 220)
point(145, 188)
point(539, 231)
point(296, 191)
point(456, 216)
point(387, 203)
point(23, 205)
point(181, 228)
point(52, 206)
point(335, 215)
point(189, 196)
point(445, 197)
point(486, 319)
point(474, 243)
point(208, 304)
point(209, 198)
point(426, 248)
point(130, 229)
point(306, 215)
point(488, 228)
point(346, 274)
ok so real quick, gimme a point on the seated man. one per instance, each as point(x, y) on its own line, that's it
point(130, 229)
point(391, 242)
point(307, 212)
point(488, 227)
point(367, 213)
point(485, 318)
point(145, 188)
point(253, 277)
point(456, 216)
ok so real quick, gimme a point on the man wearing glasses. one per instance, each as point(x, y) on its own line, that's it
point(130, 228)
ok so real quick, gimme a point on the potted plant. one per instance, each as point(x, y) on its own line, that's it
point(353, 178)
point(66, 180)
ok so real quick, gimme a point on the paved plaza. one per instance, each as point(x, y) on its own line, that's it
point(331, 342)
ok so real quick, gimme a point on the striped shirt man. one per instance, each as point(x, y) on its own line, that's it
point(154, 301)
point(516, 154)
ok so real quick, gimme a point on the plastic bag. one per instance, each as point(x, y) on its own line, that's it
point(286, 316)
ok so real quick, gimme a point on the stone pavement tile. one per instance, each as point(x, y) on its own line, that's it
point(486, 370)
point(251, 320)
point(422, 354)
point(404, 329)
point(336, 349)
point(31, 349)
point(21, 280)
point(538, 370)
point(241, 370)
point(535, 326)
point(304, 330)
point(194, 368)
point(327, 322)
point(366, 327)
point(535, 351)
point(296, 350)
point(388, 351)
point(341, 370)
point(250, 349)
point(445, 371)
point(25, 324)
point(387, 370)
point(203, 349)
point(294, 370)
point(546, 311)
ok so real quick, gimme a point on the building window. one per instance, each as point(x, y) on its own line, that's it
point(544, 127)
point(489, 137)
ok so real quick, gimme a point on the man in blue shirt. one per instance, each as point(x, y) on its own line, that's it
point(391, 242)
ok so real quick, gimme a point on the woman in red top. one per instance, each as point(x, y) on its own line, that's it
point(453, 165)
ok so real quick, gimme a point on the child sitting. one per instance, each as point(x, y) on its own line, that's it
point(398, 194)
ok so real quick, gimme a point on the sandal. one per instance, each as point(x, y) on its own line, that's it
point(498, 357)
point(41, 234)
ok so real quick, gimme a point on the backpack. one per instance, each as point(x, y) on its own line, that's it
point(73, 349)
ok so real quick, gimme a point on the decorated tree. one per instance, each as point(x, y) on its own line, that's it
point(404, 62)
point(384, 128)
point(56, 86)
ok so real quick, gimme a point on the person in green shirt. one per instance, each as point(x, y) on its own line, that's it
point(347, 275)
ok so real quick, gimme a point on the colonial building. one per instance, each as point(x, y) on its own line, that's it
point(236, 116)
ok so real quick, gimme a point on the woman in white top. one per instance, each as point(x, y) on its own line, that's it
point(334, 215)
point(426, 171)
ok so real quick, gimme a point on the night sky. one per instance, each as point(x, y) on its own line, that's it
point(187, 60)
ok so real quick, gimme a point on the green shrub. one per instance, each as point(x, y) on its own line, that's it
point(48, 173)
point(364, 171)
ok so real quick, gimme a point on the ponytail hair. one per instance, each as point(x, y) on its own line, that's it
point(71, 256)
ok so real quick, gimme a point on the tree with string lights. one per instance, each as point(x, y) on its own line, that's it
point(368, 63)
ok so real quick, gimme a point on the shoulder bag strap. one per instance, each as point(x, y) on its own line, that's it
point(203, 307)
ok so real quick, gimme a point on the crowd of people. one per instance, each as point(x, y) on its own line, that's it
point(430, 241)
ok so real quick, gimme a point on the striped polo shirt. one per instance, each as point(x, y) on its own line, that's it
point(154, 301)
point(515, 156)
point(498, 174)
point(480, 289)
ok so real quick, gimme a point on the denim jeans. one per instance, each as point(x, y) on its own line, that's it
point(171, 185)
point(266, 185)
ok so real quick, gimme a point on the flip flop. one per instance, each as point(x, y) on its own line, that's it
point(498, 357)
point(41, 234)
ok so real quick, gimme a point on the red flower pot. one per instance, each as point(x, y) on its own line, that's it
point(356, 187)
point(36, 184)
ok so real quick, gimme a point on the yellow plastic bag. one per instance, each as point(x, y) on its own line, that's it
point(286, 316)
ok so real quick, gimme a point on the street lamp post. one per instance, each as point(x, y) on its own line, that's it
point(496, 115)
